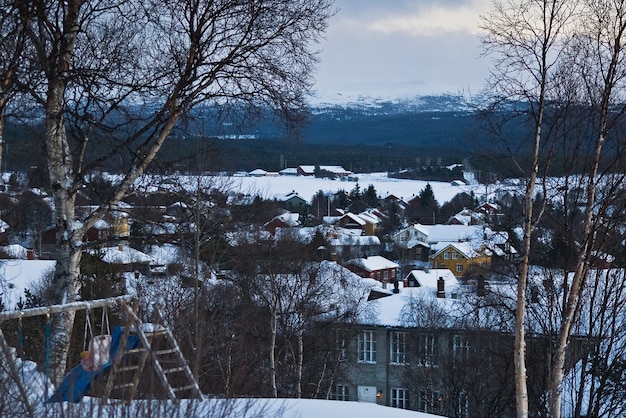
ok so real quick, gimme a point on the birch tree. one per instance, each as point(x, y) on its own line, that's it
point(526, 38)
point(115, 77)
point(597, 58)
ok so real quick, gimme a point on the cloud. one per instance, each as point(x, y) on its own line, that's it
point(415, 18)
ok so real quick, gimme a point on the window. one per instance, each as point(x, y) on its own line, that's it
point(461, 349)
point(342, 393)
point(430, 401)
point(455, 255)
point(367, 347)
point(397, 348)
point(459, 268)
point(400, 398)
point(446, 255)
point(427, 350)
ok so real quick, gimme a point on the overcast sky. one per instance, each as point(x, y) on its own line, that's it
point(403, 47)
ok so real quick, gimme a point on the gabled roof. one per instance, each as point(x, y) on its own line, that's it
point(258, 172)
point(428, 278)
point(354, 218)
point(288, 218)
point(335, 169)
point(464, 248)
point(369, 217)
point(291, 195)
point(291, 171)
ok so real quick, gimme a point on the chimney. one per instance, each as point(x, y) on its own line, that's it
point(480, 287)
point(441, 288)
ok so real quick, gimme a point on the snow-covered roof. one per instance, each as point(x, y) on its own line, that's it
point(258, 172)
point(369, 217)
point(101, 224)
point(335, 169)
point(467, 249)
point(290, 171)
point(122, 254)
point(14, 251)
point(428, 278)
point(289, 218)
point(373, 263)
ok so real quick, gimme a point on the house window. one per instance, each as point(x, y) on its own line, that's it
point(461, 349)
point(446, 255)
point(342, 393)
point(430, 401)
point(459, 268)
point(386, 275)
point(399, 398)
point(367, 347)
point(455, 255)
point(397, 348)
point(427, 350)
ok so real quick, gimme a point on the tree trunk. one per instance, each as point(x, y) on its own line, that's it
point(273, 326)
point(299, 365)
point(68, 251)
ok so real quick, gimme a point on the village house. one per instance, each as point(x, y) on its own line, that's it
point(309, 170)
point(375, 267)
point(429, 349)
point(293, 202)
point(460, 257)
point(284, 220)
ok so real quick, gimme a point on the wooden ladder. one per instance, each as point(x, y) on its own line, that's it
point(166, 358)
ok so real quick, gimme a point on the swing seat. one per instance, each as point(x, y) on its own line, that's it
point(78, 381)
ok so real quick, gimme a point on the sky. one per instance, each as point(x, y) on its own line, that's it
point(403, 47)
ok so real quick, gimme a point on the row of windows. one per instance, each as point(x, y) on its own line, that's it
point(446, 255)
point(427, 348)
point(398, 397)
point(459, 267)
point(427, 401)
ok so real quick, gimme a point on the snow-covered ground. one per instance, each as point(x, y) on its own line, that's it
point(307, 186)
point(37, 386)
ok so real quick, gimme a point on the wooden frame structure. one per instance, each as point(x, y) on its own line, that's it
point(119, 364)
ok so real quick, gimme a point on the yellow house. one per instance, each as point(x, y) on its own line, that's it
point(460, 257)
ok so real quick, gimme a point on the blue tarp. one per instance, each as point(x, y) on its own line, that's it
point(78, 381)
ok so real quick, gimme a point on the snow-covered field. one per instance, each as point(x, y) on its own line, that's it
point(306, 187)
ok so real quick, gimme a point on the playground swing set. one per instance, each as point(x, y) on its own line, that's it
point(117, 355)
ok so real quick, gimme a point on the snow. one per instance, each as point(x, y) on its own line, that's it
point(375, 262)
point(122, 255)
point(307, 187)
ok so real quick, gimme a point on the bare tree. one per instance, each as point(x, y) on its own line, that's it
point(114, 79)
point(525, 37)
point(12, 49)
point(598, 55)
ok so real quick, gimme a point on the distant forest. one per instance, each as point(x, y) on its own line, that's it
point(358, 140)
